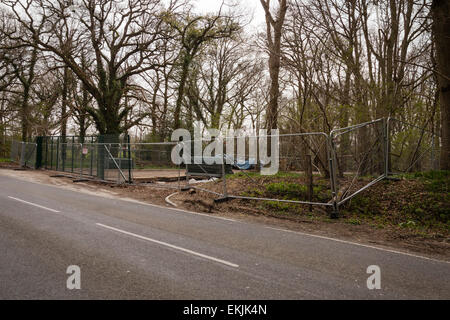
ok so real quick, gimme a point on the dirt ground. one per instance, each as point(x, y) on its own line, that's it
point(432, 245)
point(156, 173)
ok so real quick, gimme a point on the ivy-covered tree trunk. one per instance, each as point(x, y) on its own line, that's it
point(24, 114)
point(181, 89)
point(108, 120)
point(441, 32)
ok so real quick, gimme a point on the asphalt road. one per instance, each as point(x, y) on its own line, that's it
point(128, 250)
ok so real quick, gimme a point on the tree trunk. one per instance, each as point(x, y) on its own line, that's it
point(181, 87)
point(441, 32)
point(65, 90)
point(272, 110)
point(24, 115)
point(275, 27)
point(274, 33)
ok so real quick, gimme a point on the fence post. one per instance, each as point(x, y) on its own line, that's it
point(331, 153)
point(119, 161)
point(101, 157)
point(39, 142)
point(73, 150)
point(81, 160)
point(46, 152)
point(309, 178)
point(22, 154)
point(386, 146)
point(92, 157)
point(64, 153)
point(51, 155)
point(224, 177)
point(187, 186)
point(179, 177)
point(57, 154)
point(130, 161)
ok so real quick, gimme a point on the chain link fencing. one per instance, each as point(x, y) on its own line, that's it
point(23, 153)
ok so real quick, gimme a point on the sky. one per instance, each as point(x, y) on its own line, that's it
point(247, 7)
point(252, 9)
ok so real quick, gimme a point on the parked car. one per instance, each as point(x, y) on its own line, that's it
point(247, 164)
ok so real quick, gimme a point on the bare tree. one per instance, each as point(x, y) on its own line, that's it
point(226, 72)
point(124, 37)
point(274, 24)
point(161, 89)
point(82, 101)
point(6, 70)
point(47, 113)
point(23, 59)
point(194, 31)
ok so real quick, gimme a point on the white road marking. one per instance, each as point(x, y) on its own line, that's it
point(170, 246)
point(359, 244)
point(34, 204)
point(171, 202)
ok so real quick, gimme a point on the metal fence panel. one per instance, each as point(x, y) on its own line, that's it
point(15, 151)
point(24, 153)
point(360, 149)
point(288, 185)
point(151, 163)
point(359, 153)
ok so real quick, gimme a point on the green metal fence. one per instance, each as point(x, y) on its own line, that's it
point(90, 156)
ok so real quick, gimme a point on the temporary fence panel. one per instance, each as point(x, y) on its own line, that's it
point(117, 164)
point(24, 153)
point(152, 155)
point(15, 151)
point(152, 164)
point(359, 155)
point(300, 163)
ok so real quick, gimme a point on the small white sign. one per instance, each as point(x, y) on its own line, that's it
point(85, 150)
